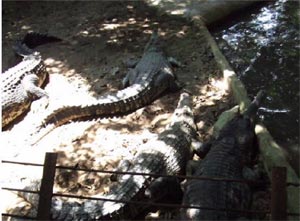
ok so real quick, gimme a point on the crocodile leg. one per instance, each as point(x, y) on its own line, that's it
point(192, 166)
point(30, 83)
point(130, 76)
point(169, 186)
point(21, 83)
point(124, 165)
point(164, 190)
point(166, 76)
point(175, 62)
point(202, 149)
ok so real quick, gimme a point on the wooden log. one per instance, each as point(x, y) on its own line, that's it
point(273, 156)
point(271, 152)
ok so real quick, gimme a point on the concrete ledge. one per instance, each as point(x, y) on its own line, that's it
point(209, 10)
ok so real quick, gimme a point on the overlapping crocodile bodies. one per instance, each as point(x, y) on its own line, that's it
point(168, 154)
point(227, 158)
point(150, 78)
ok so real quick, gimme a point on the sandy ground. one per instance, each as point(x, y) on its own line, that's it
point(98, 39)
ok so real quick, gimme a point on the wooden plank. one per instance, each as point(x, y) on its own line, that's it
point(278, 194)
point(46, 190)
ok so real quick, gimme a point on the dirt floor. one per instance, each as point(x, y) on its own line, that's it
point(98, 39)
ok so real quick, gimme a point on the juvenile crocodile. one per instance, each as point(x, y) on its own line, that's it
point(143, 84)
point(21, 83)
point(167, 154)
point(228, 157)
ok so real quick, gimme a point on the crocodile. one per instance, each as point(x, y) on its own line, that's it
point(166, 154)
point(21, 83)
point(144, 83)
point(228, 156)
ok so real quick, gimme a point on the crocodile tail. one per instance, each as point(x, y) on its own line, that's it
point(112, 105)
point(109, 106)
point(31, 40)
point(22, 49)
point(255, 104)
point(119, 104)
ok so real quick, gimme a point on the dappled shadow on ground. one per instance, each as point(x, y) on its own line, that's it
point(98, 38)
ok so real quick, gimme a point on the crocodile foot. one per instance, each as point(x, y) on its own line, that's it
point(40, 104)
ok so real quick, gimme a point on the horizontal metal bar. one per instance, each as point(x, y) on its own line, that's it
point(18, 216)
point(22, 163)
point(161, 204)
point(165, 175)
point(251, 182)
point(146, 203)
point(20, 190)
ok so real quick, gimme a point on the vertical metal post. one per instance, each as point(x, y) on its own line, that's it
point(278, 194)
point(46, 190)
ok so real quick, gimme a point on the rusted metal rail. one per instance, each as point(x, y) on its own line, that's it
point(278, 209)
point(218, 179)
point(278, 194)
point(149, 174)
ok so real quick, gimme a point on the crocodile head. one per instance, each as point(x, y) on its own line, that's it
point(240, 132)
point(241, 129)
point(154, 44)
point(183, 114)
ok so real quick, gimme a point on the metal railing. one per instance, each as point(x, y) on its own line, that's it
point(278, 209)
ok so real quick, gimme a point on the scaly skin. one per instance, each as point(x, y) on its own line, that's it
point(18, 87)
point(168, 154)
point(149, 79)
point(227, 158)
point(21, 83)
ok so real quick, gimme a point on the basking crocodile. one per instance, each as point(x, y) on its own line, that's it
point(228, 157)
point(145, 82)
point(21, 83)
point(167, 154)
